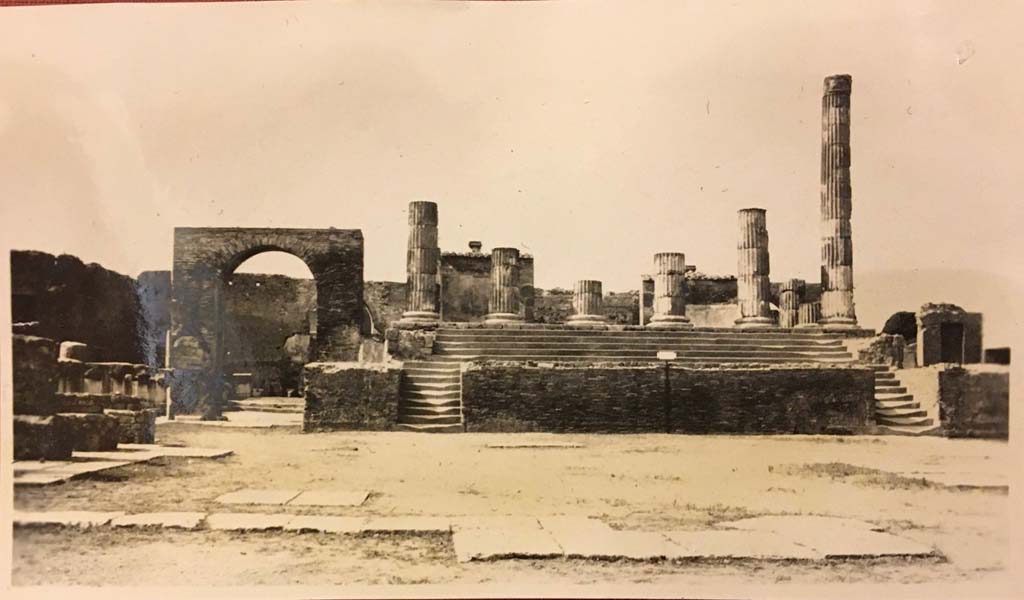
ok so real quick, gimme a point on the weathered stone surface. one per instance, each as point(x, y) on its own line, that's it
point(612, 544)
point(34, 374)
point(520, 397)
point(753, 292)
point(669, 289)
point(422, 264)
point(504, 304)
point(91, 432)
point(37, 437)
point(75, 351)
point(81, 518)
point(77, 468)
point(326, 524)
point(39, 478)
point(351, 396)
point(466, 288)
point(408, 524)
point(931, 320)
point(487, 543)
point(410, 344)
point(317, 498)
point(165, 520)
point(494, 522)
point(249, 496)
point(179, 451)
point(96, 403)
point(135, 426)
point(975, 402)
point(247, 521)
point(884, 349)
point(752, 544)
point(795, 522)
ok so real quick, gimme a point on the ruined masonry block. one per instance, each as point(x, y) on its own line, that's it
point(34, 375)
point(41, 438)
point(91, 432)
point(134, 426)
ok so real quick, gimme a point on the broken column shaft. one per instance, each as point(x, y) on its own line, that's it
point(669, 292)
point(837, 308)
point(753, 290)
point(504, 303)
point(588, 304)
point(422, 263)
point(790, 294)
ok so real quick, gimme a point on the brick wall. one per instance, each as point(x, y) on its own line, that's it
point(573, 398)
point(347, 395)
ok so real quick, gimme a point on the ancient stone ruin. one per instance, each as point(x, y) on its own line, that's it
point(467, 342)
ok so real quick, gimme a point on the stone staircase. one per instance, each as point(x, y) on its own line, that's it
point(716, 346)
point(431, 396)
point(895, 409)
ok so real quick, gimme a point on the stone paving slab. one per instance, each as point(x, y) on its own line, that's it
point(326, 524)
point(494, 522)
point(514, 445)
point(32, 466)
point(795, 522)
point(166, 520)
point(489, 544)
point(753, 544)
point(593, 542)
point(243, 419)
point(247, 521)
point(39, 478)
point(178, 451)
point(408, 524)
point(78, 518)
point(995, 481)
point(75, 469)
point(249, 496)
point(317, 498)
point(120, 455)
point(568, 525)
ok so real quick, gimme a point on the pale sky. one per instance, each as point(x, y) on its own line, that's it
point(590, 134)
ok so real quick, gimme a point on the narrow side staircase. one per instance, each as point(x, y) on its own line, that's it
point(895, 409)
point(431, 394)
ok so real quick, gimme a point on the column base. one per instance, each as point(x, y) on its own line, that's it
point(414, 319)
point(839, 324)
point(587, 322)
point(808, 326)
point(669, 322)
point(502, 318)
point(754, 323)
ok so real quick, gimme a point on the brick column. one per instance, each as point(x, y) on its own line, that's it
point(753, 290)
point(837, 309)
point(588, 304)
point(790, 293)
point(669, 292)
point(808, 315)
point(423, 260)
point(504, 304)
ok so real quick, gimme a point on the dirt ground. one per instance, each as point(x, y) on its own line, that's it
point(642, 482)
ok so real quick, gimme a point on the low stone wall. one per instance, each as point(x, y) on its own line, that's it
point(91, 432)
point(975, 402)
point(134, 426)
point(410, 344)
point(628, 399)
point(351, 395)
point(883, 349)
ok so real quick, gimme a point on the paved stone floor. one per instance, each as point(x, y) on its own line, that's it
point(358, 507)
point(43, 472)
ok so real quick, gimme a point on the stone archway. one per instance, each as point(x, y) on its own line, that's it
point(205, 258)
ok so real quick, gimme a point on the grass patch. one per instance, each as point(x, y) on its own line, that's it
point(858, 475)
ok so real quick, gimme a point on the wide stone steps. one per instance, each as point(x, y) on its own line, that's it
point(645, 359)
point(456, 347)
point(448, 333)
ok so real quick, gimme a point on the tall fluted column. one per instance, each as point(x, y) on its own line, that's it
point(837, 309)
point(790, 293)
point(809, 315)
point(753, 289)
point(669, 292)
point(504, 304)
point(422, 262)
point(588, 304)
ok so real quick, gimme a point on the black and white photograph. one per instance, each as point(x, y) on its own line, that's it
point(484, 299)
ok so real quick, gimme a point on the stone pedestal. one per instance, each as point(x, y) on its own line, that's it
point(588, 304)
point(669, 292)
point(837, 308)
point(808, 316)
point(753, 289)
point(423, 261)
point(790, 294)
point(504, 302)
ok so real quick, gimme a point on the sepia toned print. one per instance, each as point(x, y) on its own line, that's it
point(591, 376)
